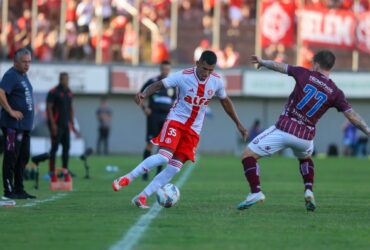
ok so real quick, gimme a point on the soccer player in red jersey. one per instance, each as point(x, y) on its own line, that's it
point(313, 95)
point(179, 136)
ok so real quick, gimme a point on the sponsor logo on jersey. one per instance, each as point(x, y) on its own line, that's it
point(210, 92)
point(196, 100)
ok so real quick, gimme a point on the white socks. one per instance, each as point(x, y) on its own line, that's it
point(163, 177)
point(162, 158)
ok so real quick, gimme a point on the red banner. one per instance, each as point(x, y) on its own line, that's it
point(277, 23)
point(330, 28)
point(363, 32)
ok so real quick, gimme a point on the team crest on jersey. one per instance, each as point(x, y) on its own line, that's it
point(191, 90)
point(267, 148)
point(210, 92)
point(168, 140)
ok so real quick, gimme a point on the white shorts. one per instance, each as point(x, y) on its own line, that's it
point(273, 140)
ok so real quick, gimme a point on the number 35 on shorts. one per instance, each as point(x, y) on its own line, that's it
point(171, 132)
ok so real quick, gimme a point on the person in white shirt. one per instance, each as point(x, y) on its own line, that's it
point(179, 137)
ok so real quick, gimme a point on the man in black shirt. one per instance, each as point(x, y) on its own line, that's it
point(16, 122)
point(60, 119)
point(157, 109)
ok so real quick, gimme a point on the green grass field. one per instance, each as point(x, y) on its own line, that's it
point(94, 217)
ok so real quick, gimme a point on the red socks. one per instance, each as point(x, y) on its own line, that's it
point(306, 168)
point(251, 172)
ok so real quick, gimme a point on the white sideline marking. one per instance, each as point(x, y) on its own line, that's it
point(133, 235)
point(52, 198)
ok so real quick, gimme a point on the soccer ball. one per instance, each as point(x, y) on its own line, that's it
point(168, 195)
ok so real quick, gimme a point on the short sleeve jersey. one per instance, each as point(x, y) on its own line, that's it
point(312, 96)
point(19, 94)
point(61, 100)
point(193, 96)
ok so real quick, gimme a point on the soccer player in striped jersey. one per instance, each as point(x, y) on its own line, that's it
point(313, 95)
point(179, 137)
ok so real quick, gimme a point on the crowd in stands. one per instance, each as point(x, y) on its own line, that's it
point(278, 53)
point(119, 38)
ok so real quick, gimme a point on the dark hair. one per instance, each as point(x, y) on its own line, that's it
point(21, 52)
point(325, 58)
point(165, 62)
point(209, 57)
point(61, 74)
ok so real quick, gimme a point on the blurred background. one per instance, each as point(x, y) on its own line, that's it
point(111, 47)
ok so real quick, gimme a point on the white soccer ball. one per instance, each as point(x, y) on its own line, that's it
point(168, 195)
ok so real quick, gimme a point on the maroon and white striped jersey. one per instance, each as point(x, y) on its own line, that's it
point(312, 96)
point(193, 96)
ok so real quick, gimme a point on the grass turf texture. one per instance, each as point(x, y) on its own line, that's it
point(94, 217)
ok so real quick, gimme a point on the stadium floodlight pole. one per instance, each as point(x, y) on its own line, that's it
point(355, 54)
point(154, 30)
point(34, 24)
point(62, 22)
point(216, 25)
point(299, 32)
point(174, 24)
point(257, 46)
point(4, 29)
point(136, 25)
point(99, 33)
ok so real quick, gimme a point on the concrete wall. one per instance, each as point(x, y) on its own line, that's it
point(219, 134)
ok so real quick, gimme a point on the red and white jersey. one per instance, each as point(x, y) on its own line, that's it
point(193, 96)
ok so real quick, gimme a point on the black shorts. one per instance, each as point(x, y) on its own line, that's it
point(154, 124)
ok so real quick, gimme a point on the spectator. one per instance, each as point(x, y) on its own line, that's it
point(228, 58)
point(84, 14)
point(160, 52)
point(280, 53)
point(104, 116)
point(129, 42)
point(254, 130)
point(70, 46)
point(235, 16)
point(208, 7)
point(362, 146)
point(103, 8)
point(349, 139)
point(71, 11)
point(203, 45)
point(118, 25)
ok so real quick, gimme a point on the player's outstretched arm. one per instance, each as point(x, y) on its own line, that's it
point(276, 66)
point(357, 120)
point(228, 106)
point(151, 89)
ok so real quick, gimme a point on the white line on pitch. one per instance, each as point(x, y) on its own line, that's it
point(133, 235)
point(52, 198)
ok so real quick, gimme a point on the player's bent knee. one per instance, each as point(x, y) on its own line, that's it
point(166, 155)
point(249, 153)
